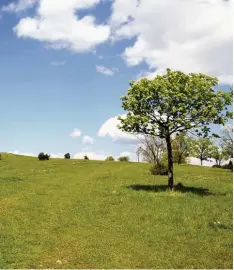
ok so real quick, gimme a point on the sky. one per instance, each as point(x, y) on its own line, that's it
point(65, 64)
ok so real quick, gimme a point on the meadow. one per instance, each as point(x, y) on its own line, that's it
point(95, 214)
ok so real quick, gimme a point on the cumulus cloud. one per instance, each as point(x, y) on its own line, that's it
point(192, 36)
point(56, 23)
point(106, 71)
point(91, 155)
point(76, 133)
point(109, 129)
point(19, 6)
point(58, 63)
point(87, 140)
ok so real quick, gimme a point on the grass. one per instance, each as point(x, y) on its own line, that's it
point(93, 214)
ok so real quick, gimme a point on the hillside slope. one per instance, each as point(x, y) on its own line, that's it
point(94, 214)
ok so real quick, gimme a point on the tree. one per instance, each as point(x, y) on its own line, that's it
point(86, 157)
point(172, 103)
point(219, 154)
point(67, 156)
point(181, 147)
point(152, 149)
point(43, 156)
point(203, 148)
point(138, 153)
point(124, 159)
point(110, 158)
point(227, 140)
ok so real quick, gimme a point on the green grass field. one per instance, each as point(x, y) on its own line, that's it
point(93, 214)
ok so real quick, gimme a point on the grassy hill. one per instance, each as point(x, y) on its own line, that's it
point(93, 214)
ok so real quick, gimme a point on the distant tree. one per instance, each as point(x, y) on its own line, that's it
point(172, 103)
point(86, 157)
point(152, 149)
point(138, 153)
point(203, 148)
point(227, 140)
point(110, 158)
point(181, 147)
point(67, 156)
point(219, 154)
point(124, 159)
point(43, 156)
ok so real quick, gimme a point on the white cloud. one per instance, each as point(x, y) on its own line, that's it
point(17, 152)
point(19, 6)
point(57, 24)
point(75, 133)
point(192, 36)
point(58, 63)
point(106, 71)
point(58, 155)
point(87, 140)
point(91, 155)
point(109, 128)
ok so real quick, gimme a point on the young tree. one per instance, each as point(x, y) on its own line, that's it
point(203, 148)
point(172, 103)
point(138, 153)
point(86, 157)
point(181, 147)
point(219, 154)
point(152, 149)
point(227, 140)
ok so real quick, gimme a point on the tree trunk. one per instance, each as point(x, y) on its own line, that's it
point(179, 159)
point(170, 163)
point(201, 161)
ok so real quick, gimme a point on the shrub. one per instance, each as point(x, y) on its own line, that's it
point(67, 156)
point(159, 169)
point(124, 159)
point(110, 158)
point(43, 156)
point(86, 157)
point(216, 166)
point(228, 166)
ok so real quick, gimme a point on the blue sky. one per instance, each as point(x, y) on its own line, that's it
point(71, 72)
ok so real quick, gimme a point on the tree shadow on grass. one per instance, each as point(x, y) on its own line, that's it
point(179, 188)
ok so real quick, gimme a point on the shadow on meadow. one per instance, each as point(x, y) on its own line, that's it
point(179, 187)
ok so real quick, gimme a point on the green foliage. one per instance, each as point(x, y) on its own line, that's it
point(174, 102)
point(86, 157)
point(43, 156)
point(203, 148)
point(67, 156)
point(227, 140)
point(181, 148)
point(110, 158)
point(124, 159)
point(219, 154)
point(159, 169)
